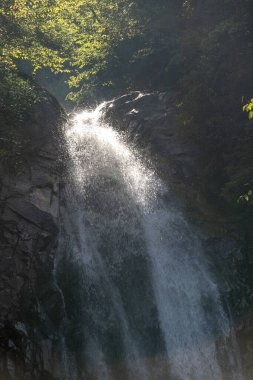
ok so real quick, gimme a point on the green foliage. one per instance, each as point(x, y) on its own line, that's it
point(67, 36)
point(216, 42)
point(17, 95)
point(148, 59)
point(246, 198)
point(112, 46)
point(100, 46)
point(249, 108)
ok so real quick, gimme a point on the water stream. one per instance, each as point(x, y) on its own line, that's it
point(141, 302)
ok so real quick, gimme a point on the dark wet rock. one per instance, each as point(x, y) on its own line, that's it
point(151, 122)
point(31, 304)
point(151, 119)
point(32, 214)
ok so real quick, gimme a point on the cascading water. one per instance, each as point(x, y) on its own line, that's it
point(140, 301)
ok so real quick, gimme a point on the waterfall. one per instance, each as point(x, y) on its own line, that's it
point(141, 301)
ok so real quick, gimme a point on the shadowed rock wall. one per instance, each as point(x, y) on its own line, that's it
point(151, 121)
point(31, 303)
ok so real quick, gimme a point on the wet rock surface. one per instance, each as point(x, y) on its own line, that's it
point(151, 122)
point(31, 304)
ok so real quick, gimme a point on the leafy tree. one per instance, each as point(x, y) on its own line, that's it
point(71, 36)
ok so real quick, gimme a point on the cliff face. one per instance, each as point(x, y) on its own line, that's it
point(31, 303)
point(151, 118)
point(151, 121)
point(32, 313)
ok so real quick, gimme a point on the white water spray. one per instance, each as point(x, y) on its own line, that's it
point(150, 308)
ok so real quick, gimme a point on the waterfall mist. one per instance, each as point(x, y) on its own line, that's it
point(141, 302)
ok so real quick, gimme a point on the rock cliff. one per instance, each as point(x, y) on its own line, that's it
point(31, 303)
point(32, 309)
point(151, 122)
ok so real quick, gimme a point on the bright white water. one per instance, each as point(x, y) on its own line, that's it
point(143, 304)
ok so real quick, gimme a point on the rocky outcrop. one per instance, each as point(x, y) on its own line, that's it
point(151, 121)
point(31, 303)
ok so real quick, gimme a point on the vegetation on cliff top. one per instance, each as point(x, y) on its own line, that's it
point(72, 37)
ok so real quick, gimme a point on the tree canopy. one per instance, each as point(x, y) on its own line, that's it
point(67, 36)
